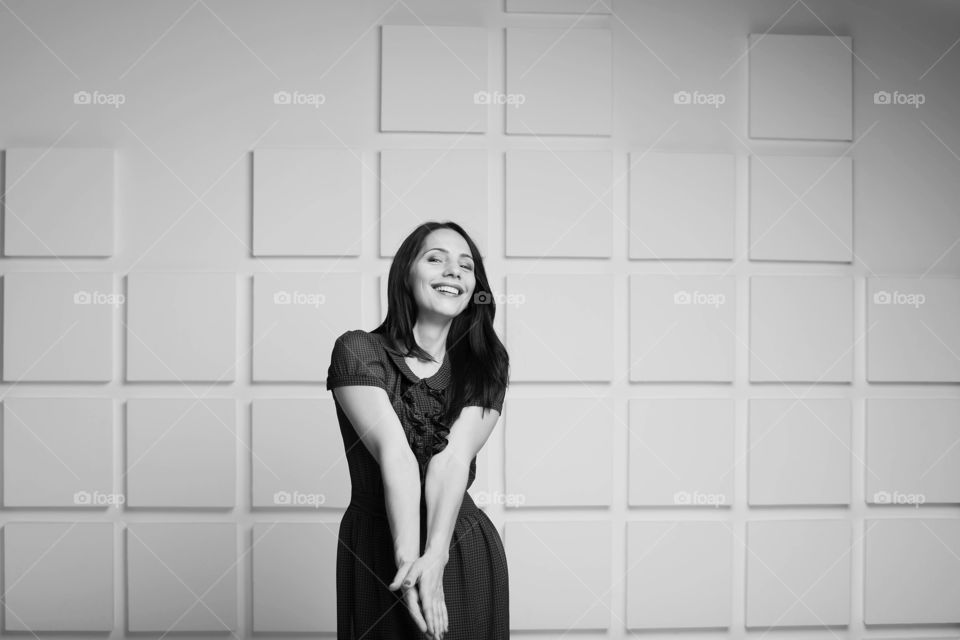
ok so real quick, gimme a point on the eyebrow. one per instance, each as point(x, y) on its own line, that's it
point(462, 255)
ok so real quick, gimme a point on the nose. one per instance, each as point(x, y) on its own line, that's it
point(452, 269)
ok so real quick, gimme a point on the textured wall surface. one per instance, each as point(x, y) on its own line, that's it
point(723, 239)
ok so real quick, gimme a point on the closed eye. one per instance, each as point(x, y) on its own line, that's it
point(465, 266)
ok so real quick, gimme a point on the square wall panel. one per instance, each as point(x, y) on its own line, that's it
point(181, 326)
point(682, 328)
point(681, 452)
point(914, 334)
point(430, 78)
point(181, 452)
point(59, 202)
point(910, 571)
point(68, 442)
point(297, 455)
point(801, 208)
point(420, 185)
point(559, 204)
point(296, 319)
point(912, 453)
point(545, 326)
point(801, 86)
point(801, 329)
point(679, 575)
point(560, 574)
point(798, 573)
point(294, 577)
point(799, 451)
point(58, 577)
point(565, 78)
point(58, 327)
point(560, 434)
point(172, 565)
point(682, 205)
point(306, 202)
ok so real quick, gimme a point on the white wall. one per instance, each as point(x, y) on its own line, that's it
point(797, 400)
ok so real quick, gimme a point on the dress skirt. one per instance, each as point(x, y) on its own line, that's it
point(475, 580)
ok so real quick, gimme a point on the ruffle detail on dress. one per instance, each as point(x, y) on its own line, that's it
point(440, 428)
point(429, 433)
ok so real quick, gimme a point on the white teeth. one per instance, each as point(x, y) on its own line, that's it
point(447, 290)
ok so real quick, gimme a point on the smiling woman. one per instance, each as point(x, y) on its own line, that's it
point(416, 400)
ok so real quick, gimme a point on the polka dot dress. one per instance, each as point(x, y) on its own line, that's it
point(475, 580)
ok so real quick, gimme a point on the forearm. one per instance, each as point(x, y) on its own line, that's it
point(444, 486)
point(401, 489)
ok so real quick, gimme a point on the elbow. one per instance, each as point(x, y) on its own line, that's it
point(449, 462)
point(399, 461)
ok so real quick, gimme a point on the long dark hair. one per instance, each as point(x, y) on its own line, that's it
point(479, 361)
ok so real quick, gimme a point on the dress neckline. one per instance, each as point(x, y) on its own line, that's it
point(438, 380)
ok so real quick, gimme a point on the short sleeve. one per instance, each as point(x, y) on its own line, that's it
point(497, 401)
point(356, 360)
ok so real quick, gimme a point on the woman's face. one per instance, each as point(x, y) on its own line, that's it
point(444, 259)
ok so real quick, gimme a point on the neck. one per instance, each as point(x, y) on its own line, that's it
point(432, 338)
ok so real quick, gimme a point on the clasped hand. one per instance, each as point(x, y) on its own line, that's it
point(421, 583)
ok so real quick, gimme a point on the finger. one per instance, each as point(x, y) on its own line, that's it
point(413, 605)
point(413, 575)
point(443, 619)
point(401, 572)
point(426, 604)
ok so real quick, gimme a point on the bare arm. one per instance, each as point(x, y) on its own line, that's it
point(379, 428)
point(446, 478)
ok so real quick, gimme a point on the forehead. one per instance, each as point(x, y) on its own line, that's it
point(446, 239)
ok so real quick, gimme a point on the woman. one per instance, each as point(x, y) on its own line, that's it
point(411, 535)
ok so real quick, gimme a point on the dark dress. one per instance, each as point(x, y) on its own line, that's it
point(475, 581)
